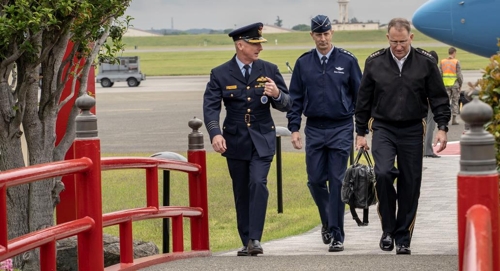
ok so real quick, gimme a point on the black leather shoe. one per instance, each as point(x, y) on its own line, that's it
point(243, 251)
point(432, 156)
point(386, 242)
point(403, 250)
point(254, 248)
point(326, 236)
point(336, 246)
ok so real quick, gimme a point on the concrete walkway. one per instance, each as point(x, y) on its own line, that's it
point(434, 244)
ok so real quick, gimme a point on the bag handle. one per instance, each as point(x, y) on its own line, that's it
point(363, 152)
point(356, 217)
point(360, 152)
point(354, 214)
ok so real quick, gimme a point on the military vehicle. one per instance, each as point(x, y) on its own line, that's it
point(127, 69)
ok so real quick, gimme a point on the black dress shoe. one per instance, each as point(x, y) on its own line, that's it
point(336, 246)
point(403, 250)
point(386, 242)
point(432, 156)
point(254, 248)
point(326, 236)
point(243, 251)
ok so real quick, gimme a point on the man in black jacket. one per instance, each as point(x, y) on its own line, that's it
point(392, 100)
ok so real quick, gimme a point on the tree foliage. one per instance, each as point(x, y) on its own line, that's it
point(489, 93)
point(279, 22)
point(57, 41)
point(302, 27)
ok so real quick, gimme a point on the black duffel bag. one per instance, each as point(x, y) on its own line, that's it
point(358, 187)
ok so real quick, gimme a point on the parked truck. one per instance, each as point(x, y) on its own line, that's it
point(127, 69)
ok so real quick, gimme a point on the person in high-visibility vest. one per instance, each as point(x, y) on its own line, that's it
point(452, 79)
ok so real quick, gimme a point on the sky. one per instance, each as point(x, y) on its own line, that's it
point(226, 14)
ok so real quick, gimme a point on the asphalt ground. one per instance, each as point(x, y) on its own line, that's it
point(434, 243)
point(153, 117)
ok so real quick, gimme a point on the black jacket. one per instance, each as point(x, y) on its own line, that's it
point(389, 95)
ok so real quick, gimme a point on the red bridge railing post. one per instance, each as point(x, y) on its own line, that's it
point(88, 187)
point(198, 191)
point(67, 210)
point(477, 250)
point(477, 181)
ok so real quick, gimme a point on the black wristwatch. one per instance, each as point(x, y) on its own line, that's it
point(443, 128)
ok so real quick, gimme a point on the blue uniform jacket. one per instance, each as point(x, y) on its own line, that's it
point(247, 120)
point(324, 95)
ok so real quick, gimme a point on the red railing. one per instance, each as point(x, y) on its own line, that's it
point(44, 239)
point(198, 218)
point(89, 222)
point(478, 252)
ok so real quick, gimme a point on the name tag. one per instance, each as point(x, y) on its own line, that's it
point(231, 87)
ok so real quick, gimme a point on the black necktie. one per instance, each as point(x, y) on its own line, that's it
point(247, 72)
point(323, 63)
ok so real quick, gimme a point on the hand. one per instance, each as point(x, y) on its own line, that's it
point(442, 138)
point(271, 89)
point(361, 143)
point(296, 140)
point(219, 144)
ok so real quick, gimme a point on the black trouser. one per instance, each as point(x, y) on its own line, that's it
point(404, 141)
point(250, 194)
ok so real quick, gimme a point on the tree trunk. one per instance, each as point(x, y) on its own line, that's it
point(40, 38)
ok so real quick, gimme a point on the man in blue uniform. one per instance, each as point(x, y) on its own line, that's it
point(398, 85)
point(248, 87)
point(324, 88)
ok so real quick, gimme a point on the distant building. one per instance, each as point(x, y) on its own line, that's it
point(134, 32)
point(355, 26)
point(271, 29)
point(343, 11)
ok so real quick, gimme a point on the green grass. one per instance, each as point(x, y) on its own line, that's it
point(288, 39)
point(162, 55)
point(201, 62)
point(123, 189)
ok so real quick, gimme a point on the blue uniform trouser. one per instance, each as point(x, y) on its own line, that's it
point(250, 194)
point(327, 152)
point(405, 142)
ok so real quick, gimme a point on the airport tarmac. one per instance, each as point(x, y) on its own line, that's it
point(154, 116)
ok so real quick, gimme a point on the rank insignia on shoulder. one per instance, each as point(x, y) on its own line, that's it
point(346, 52)
point(262, 79)
point(376, 54)
point(424, 52)
point(231, 87)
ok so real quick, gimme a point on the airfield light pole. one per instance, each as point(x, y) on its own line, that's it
point(280, 131)
point(166, 194)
